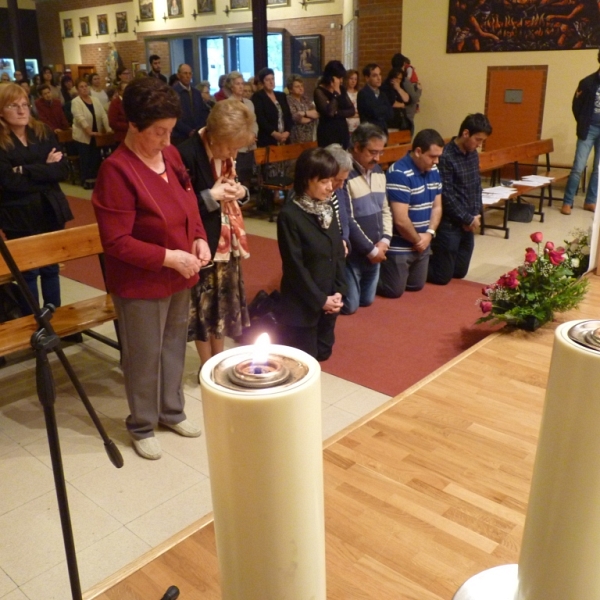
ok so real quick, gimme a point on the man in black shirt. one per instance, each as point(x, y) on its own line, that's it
point(373, 106)
point(154, 61)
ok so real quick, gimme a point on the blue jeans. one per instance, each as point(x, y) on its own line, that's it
point(403, 272)
point(362, 277)
point(50, 281)
point(582, 153)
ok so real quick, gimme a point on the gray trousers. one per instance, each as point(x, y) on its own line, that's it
point(153, 339)
point(400, 272)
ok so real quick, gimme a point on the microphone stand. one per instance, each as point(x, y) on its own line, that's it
point(43, 341)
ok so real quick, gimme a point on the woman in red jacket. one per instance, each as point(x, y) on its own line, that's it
point(154, 244)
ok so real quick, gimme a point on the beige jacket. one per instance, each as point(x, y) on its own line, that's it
point(82, 119)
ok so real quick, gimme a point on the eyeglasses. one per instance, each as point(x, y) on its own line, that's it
point(17, 106)
point(375, 153)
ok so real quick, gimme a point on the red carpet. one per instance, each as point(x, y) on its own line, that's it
point(386, 347)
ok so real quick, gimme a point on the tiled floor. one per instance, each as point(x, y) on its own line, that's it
point(119, 514)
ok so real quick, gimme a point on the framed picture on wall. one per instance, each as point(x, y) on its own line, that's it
point(146, 10)
point(278, 2)
point(240, 4)
point(306, 55)
point(122, 26)
point(512, 27)
point(206, 6)
point(102, 24)
point(84, 24)
point(68, 27)
point(175, 8)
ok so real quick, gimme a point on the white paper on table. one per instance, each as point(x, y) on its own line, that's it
point(493, 195)
point(538, 179)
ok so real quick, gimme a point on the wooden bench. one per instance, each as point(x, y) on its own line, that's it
point(277, 155)
point(396, 138)
point(79, 317)
point(393, 153)
point(520, 156)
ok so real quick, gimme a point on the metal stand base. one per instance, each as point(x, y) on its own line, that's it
point(499, 583)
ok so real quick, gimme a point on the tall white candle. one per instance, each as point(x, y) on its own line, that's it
point(560, 554)
point(265, 458)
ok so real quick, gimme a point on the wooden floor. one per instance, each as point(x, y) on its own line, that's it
point(421, 496)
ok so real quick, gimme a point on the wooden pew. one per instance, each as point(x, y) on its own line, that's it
point(393, 153)
point(46, 249)
point(273, 155)
point(396, 138)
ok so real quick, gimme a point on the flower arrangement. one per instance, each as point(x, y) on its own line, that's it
point(578, 251)
point(529, 295)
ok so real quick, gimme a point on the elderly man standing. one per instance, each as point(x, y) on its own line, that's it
point(363, 200)
point(414, 190)
point(194, 111)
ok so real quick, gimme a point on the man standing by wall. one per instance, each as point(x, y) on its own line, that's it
point(194, 111)
point(414, 191)
point(154, 61)
point(373, 106)
point(586, 108)
point(453, 245)
point(369, 217)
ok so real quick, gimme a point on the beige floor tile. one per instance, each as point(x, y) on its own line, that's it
point(173, 516)
point(15, 595)
point(7, 444)
point(95, 564)
point(362, 401)
point(139, 486)
point(31, 537)
point(334, 420)
point(24, 478)
point(7, 585)
point(334, 388)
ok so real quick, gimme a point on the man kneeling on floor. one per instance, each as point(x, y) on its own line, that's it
point(414, 191)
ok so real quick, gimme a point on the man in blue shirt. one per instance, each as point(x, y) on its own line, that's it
point(414, 191)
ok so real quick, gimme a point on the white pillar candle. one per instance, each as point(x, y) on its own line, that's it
point(560, 553)
point(265, 457)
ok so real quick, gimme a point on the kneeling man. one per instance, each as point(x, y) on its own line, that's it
point(414, 192)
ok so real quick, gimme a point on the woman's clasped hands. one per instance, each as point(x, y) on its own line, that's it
point(227, 190)
point(188, 263)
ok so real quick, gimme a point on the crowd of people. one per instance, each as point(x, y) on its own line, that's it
point(168, 204)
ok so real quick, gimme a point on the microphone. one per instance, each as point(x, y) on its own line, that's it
point(171, 594)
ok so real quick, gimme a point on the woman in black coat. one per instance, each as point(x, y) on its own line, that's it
point(334, 106)
point(313, 258)
point(31, 166)
point(273, 114)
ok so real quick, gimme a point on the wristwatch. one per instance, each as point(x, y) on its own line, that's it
point(431, 232)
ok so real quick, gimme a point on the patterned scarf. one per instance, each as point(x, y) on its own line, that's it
point(323, 210)
point(233, 238)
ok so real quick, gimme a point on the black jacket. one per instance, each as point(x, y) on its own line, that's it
point(32, 202)
point(267, 116)
point(374, 109)
point(583, 103)
point(313, 265)
point(193, 154)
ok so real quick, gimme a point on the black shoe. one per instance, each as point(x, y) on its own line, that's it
point(75, 338)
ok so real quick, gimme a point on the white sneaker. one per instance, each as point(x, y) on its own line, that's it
point(185, 428)
point(147, 448)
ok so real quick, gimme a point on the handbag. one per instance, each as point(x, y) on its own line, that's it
point(520, 212)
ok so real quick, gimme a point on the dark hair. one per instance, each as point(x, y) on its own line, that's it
point(476, 123)
point(147, 100)
point(369, 69)
point(314, 163)
point(264, 72)
point(334, 68)
point(42, 87)
point(120, 72)
point(152, 58)
point(364, 133)
point(399, 60)
point(427, 138)
point(395, 73)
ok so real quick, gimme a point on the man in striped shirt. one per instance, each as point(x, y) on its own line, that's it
point(414, 191)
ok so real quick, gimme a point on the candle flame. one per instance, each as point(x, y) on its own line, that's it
point(261, 349)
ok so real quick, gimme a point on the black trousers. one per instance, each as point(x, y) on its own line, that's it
point(317, 341)
point(451, 252)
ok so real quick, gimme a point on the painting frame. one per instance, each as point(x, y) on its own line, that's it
point(102, 21)
point(236, 5)
point(68, 28)
point(277, 3)
point(146, 8)
point(84, 26)
point(306, 55)
point(122, 24)
point(175, 9)
point(206, 7)
point(506, 27)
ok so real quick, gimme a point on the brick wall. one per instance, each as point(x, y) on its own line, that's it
point(96, 54)
point(379, 32)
